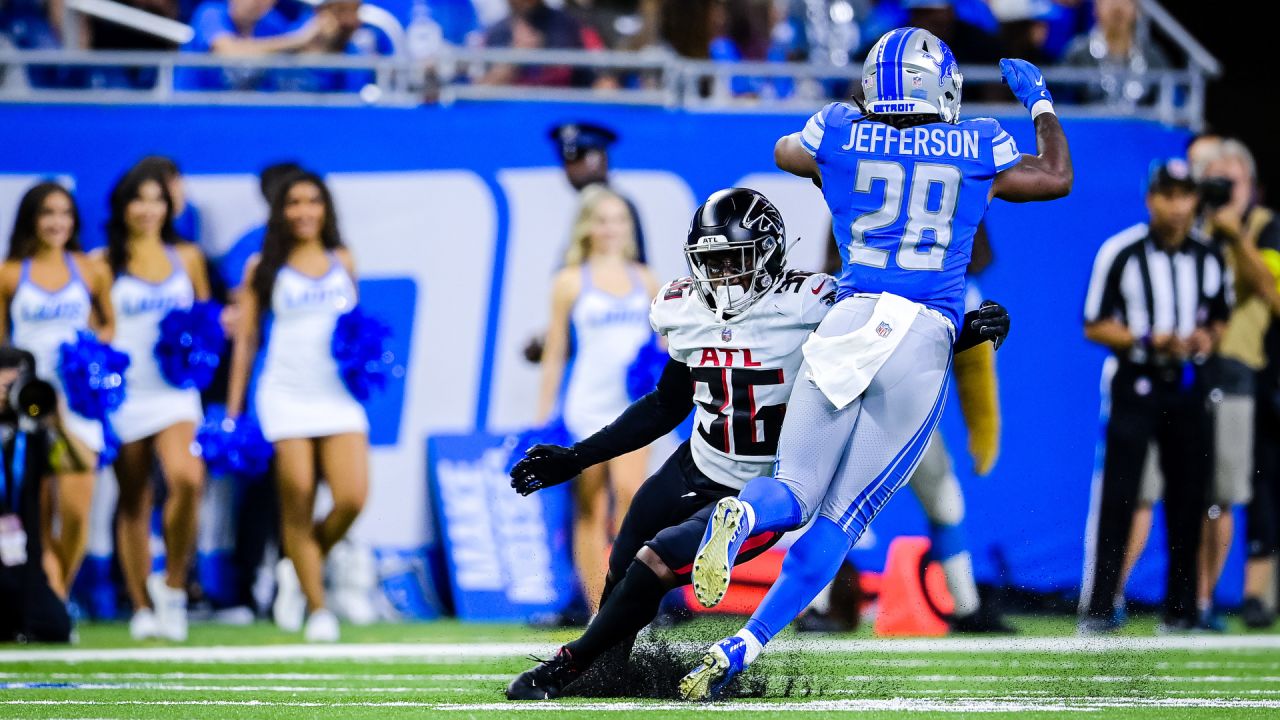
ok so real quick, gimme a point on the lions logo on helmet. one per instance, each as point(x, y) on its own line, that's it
point(910, 71)
point(736, 250)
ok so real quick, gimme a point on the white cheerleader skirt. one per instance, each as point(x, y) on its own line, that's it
point(88, 432)
point(83, 429)
point(286, 414)
point(146, 412)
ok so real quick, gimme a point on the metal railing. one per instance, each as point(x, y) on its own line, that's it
point(120, 14)
point(1198, 56)
point(1174, 97)
point(650, 77)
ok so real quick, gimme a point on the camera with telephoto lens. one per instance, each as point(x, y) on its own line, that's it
point(1216, 192)
point(28, 396)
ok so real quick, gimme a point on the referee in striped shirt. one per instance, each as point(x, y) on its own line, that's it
point(1157, 300)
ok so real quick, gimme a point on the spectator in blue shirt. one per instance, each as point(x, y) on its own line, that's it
point(245, 29)
point(341, 33)
point(27, 25)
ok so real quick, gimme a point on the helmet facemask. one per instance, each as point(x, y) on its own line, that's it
point(731, 276)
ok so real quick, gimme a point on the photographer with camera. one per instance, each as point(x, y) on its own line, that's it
point(31, 442)
point(1250, 238)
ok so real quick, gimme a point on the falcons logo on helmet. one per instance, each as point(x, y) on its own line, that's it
point(757, 216)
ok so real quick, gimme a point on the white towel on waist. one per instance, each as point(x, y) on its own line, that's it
point(842, 366)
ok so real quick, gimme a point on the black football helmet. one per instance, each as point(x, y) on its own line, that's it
point(736, 250)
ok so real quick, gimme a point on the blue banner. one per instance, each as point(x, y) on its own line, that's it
point(468, 204)
point(508, 557)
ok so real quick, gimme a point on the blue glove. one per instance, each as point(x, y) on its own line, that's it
point(1025, 80)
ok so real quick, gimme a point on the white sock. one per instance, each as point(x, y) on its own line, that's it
point(958, 570)
point(754, 648)
point(822, 603)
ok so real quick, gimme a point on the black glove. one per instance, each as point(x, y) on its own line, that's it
point(989, 322)
point(544, 466)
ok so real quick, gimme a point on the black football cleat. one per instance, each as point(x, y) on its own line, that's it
point(546, 680)
point(982, 622)
point(812, 621)
point(1256, 615)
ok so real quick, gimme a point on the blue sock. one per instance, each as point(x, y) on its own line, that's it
point(810, 564)
point(773, 504)
point(947, 541)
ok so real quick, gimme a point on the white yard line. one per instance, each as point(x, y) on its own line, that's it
point(950, 705)
point(36, 681)
point(170, 687)
point(315, 677)
point(896, 663)
point(461, 651)
point(1101, 679)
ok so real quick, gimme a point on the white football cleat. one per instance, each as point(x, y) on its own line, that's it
point(170, 608)
point(723, 538)
point(290, 607)
point(143, 626)
point(355, 577)
point(322, 627)
point(720, 665)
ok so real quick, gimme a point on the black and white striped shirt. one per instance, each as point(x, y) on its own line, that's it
point(1154, 292)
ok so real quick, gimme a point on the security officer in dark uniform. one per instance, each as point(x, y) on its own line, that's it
point(584, 153)
point(1157, 300)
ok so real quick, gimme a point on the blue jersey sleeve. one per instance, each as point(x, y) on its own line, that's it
point(814, 130)
point(1004, 151)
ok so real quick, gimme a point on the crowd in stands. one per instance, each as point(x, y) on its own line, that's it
point(1102, 34)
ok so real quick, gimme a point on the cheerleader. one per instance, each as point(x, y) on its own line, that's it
point(303, 280)
point(49, 291)
point(603, 294)
point(154, 273)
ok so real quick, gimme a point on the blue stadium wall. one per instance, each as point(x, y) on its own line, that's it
point(458, 215)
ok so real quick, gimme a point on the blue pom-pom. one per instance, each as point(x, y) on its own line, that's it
point(643, 372)
point(190, 345)
point(553, 433)
point(360, 347)
point(92, 374)
point(233, 446)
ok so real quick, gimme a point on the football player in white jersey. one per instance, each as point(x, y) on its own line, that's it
point(734, 331)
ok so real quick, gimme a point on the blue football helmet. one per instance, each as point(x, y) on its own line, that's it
point(910, 71)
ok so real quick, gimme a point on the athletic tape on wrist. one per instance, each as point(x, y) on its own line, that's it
point(1041, 107)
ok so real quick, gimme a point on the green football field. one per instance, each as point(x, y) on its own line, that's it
point(453, 670)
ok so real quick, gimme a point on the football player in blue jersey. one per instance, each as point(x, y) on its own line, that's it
point(907, 182)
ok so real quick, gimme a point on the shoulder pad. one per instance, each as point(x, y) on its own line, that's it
point(792, 281)
point(669, 305)
point(675, 289)
point(843, 108)
point(984, 123)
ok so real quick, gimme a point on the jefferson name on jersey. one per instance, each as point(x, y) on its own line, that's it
point(884, 139)
point(742, 369)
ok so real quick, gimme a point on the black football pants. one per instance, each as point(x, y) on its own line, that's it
point(1147, 406)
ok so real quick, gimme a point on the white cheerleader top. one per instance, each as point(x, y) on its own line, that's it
point(608, 331)
point(140, 305)
point(304, 312)
point(43, 320)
